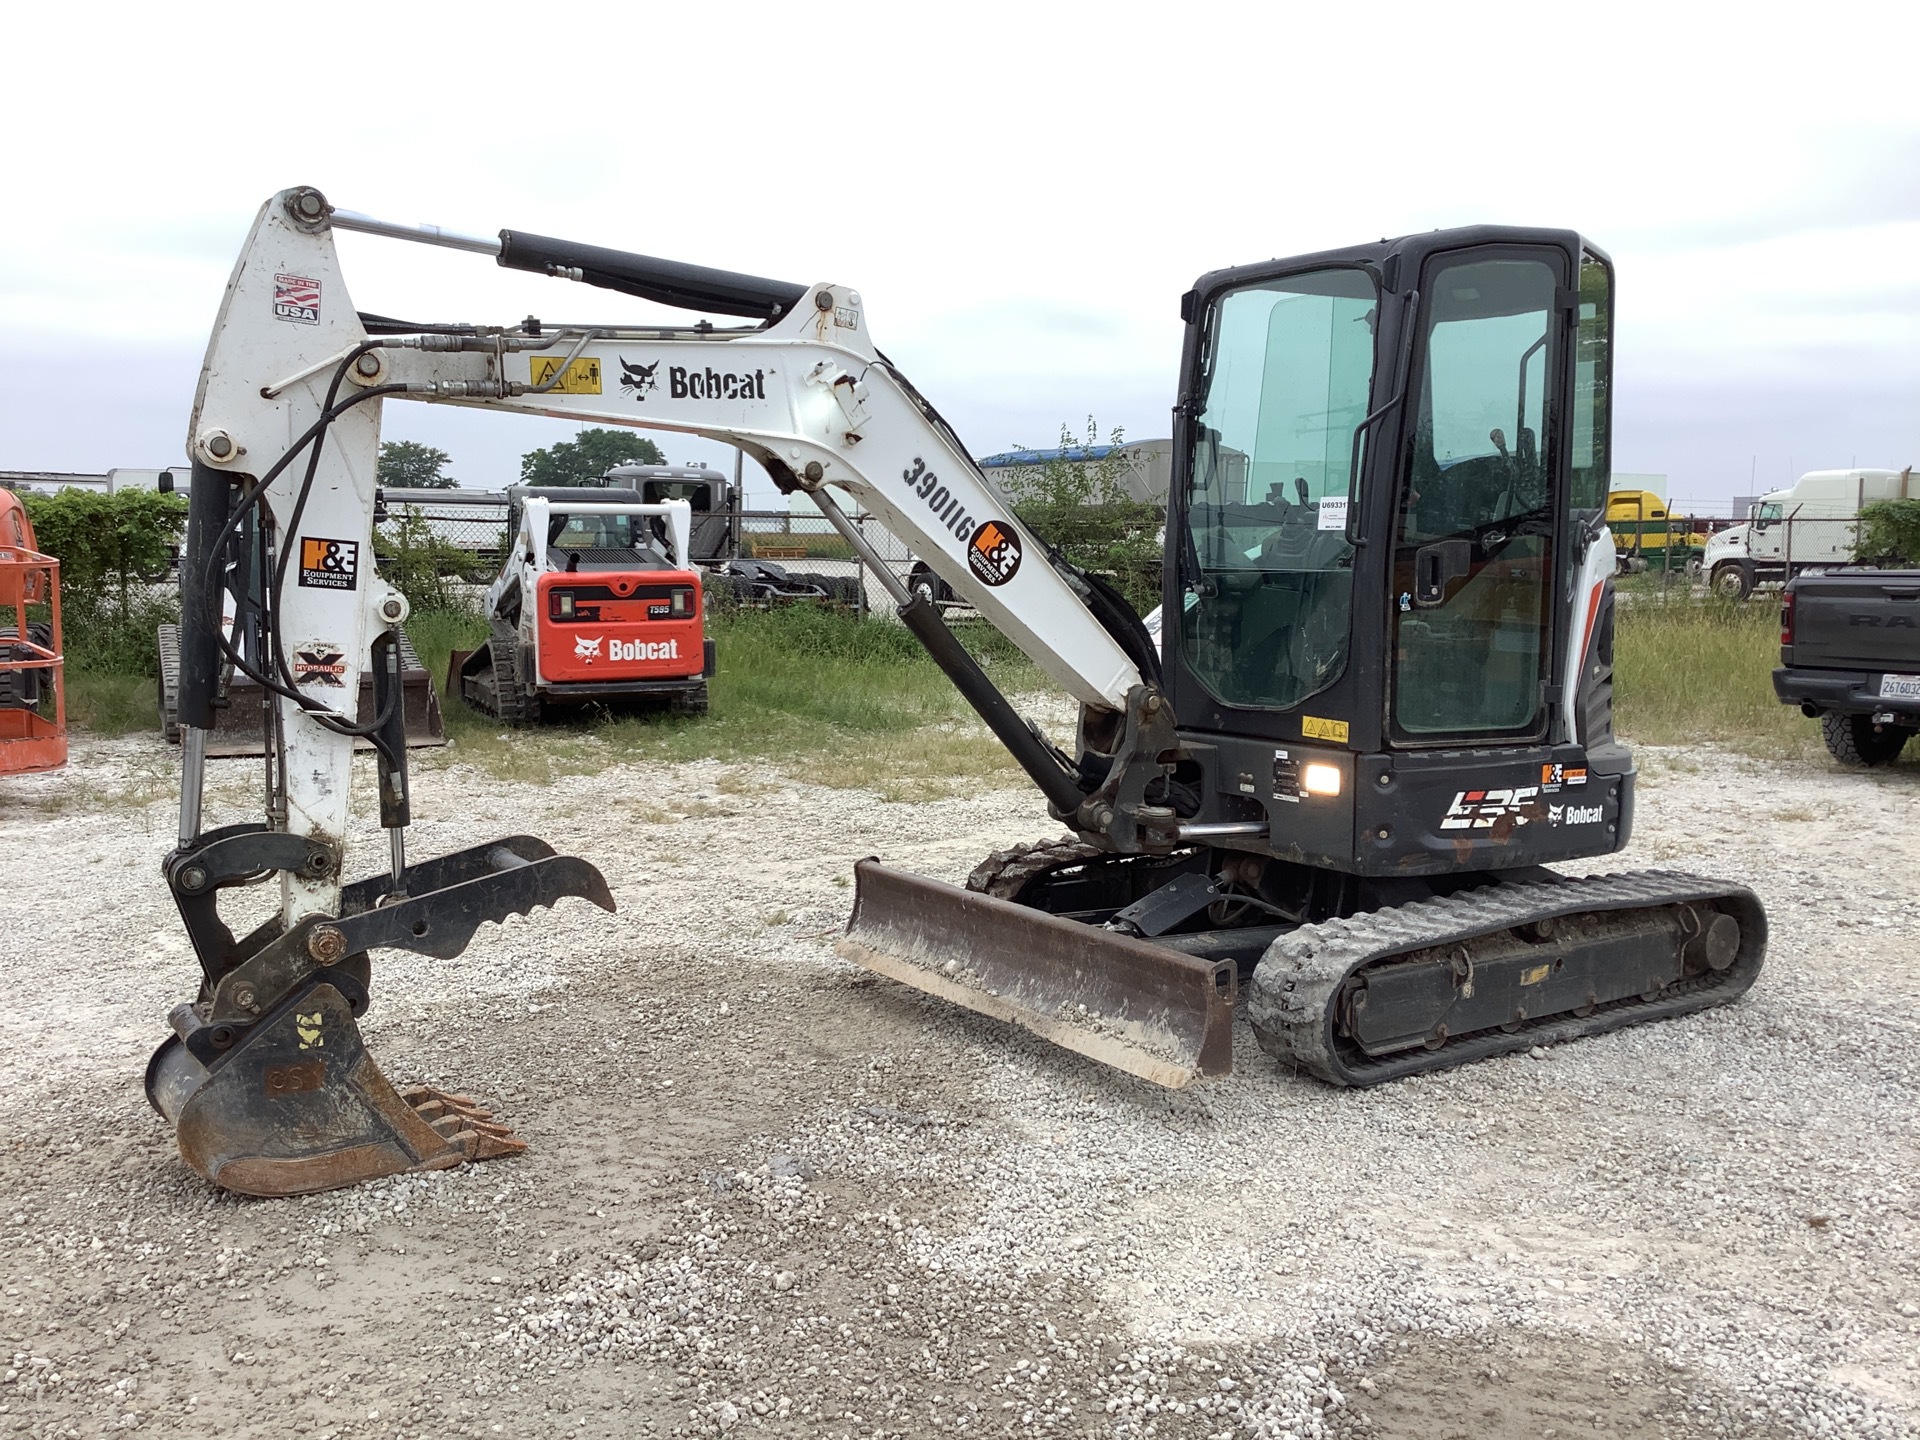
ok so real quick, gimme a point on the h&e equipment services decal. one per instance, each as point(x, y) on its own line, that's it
point(329, 564)
point(994, 553)
point(1553, 776)
point(296, 298)
point(993, 546)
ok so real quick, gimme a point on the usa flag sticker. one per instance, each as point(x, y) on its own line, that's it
point(297, 299)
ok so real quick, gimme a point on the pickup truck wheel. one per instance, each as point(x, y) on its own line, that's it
point(1856, 740)
point(1732, 580)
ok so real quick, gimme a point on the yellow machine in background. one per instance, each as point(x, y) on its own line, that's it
point(1647, 536)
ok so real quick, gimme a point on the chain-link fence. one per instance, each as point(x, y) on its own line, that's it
point(768, 554)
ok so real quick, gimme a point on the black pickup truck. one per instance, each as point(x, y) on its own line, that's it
point(1850, 657)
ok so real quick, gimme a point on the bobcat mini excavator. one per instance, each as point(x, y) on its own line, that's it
point(1379, 707)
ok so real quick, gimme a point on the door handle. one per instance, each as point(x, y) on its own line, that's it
point(1436, 565)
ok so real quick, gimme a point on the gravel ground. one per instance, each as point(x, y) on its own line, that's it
point(768, 1192)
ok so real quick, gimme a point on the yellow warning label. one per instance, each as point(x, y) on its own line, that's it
point(1314, 728)
point(1535, 975)
point(582, 377)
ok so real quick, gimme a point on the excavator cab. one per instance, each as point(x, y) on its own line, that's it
point(1384, 552)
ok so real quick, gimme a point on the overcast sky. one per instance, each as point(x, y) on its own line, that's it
point(1020, 191)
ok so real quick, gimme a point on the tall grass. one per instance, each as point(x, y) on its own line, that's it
point(1688, 670)
point(844, 701)
point(436, 634)
point(823, 695)
point(112, 704)
point(113, 660)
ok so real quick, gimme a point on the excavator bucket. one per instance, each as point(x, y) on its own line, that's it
point(1140, 1007)
point(299, 1106)
point(238, 732)
point(292, 1103)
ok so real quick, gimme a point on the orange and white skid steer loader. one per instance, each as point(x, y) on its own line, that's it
point(596, 601)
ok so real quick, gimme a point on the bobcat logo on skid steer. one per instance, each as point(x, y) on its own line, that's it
point(586, 647)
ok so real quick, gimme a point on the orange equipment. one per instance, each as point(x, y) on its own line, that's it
point(33, 690)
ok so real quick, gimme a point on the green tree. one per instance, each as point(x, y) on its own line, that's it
point(588, 456)
point(1078, 503)
point(113, 552)
point(106, 544)
point(1889, 532)
point(406, 464)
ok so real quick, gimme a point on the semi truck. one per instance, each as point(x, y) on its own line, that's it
point(1648, 536)
point(1809, 526)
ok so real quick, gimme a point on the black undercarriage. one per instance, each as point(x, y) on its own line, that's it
point(1362, 980)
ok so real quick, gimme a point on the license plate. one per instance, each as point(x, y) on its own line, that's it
point(1900, 687)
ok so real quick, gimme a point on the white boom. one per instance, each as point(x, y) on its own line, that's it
point(808, 395)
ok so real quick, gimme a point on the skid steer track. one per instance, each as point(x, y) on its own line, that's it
point(1695, 943)
point(474, 676)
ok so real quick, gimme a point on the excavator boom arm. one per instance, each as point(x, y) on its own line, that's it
point(807, 395)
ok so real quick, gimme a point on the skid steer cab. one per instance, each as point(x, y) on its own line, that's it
point(596, 602)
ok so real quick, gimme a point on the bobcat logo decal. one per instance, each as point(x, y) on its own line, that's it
point(636, 380)
point(586, 647)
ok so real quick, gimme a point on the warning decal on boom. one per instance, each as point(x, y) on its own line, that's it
point(582, 376)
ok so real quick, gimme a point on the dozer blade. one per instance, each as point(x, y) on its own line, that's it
point(237, 730)
point(297, 1105)
point(1145, 1009)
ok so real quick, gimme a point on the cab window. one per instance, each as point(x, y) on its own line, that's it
point(1269, 572)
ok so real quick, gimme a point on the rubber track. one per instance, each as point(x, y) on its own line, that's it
point(1291, 997)
point(1006, 873)
point(168, 642)
point(488, 696)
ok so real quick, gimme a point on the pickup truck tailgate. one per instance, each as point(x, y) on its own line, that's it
point(1869, 621)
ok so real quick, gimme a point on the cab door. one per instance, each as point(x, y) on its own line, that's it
point(1476, 529)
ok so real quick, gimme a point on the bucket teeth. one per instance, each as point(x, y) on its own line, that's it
point(463, 1123)
point(284, 1099)
point(487, 1143)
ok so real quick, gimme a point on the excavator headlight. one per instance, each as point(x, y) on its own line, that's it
point(563, 604)
point(680, 602)
point(1320, 779)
